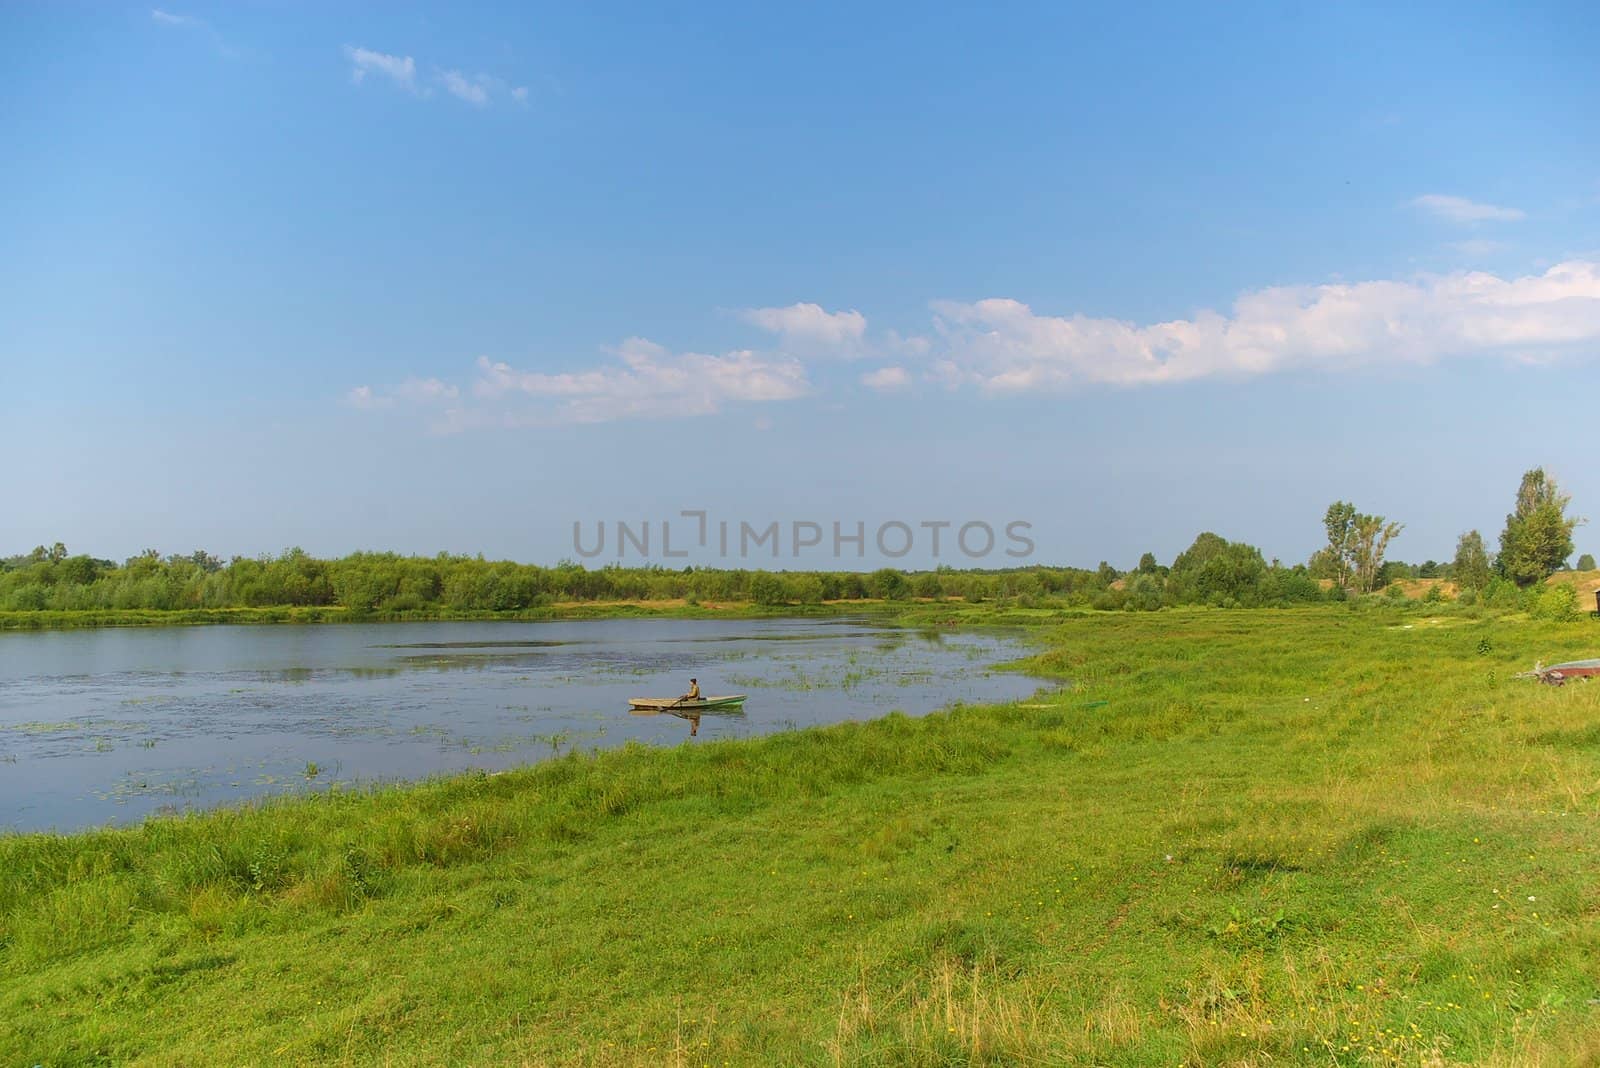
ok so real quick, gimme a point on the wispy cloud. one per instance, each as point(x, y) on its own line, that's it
point(642, 380)
point(401, 70)
point(413, 391)
point(193, 25)
point(647, 380)
point(1461, 210)
point(474, 91)
point(479, 90)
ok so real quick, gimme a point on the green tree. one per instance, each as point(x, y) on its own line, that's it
point(889, 584)
point(1218, 571)
point(1471, 566)
point(1538, 535)
point(1144, 592)
point(1586, 562)
point(1372, 534)
point(768, 589)
point(1340, 523)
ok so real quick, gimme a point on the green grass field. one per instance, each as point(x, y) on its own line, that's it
point(1320, 836)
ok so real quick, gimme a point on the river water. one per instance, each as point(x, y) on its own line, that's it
point(106, 726)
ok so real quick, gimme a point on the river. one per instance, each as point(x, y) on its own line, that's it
point(106, 726)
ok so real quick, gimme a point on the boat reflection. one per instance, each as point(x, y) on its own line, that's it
point(689, 715)
point(693, 718)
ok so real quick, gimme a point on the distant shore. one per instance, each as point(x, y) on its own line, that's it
point(180, 617)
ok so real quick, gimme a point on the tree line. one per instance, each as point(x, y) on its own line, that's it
point(1537, 540)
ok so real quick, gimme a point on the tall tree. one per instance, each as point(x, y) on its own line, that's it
point(1372, 536)
point(1339, 521)
point(1471, 567)
point(1538, 535)
point(1356, 543)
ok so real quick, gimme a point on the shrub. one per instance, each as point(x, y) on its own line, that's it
point(767, 589)
point(1557, 603)
point(1143, 594)
point(1107, 600)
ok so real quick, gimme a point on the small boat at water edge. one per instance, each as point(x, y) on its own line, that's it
point(1556, 674)
point(678, 704)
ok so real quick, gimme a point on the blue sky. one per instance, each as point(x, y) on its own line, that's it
point(423, 277)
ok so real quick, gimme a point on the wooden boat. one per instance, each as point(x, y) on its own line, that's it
point(1556, 674)
point(678, 704)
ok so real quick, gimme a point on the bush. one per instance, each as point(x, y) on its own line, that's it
point(889, 584)
point(807, 589)
point(1558, 603)
point(1502, 593)
point(1144, 594)
point(768, 589)
point(1108, 600)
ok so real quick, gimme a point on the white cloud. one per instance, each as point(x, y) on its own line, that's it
point(480, 90)
point(1002, 346)
point(808, 325)
point(426, 390)
point(649, 381)
point(195, 27)
point(887, 378)
point(402, 70)
point(644, 381)
point(474, 91)
point(413, 391)
point(365, 397)
point(1462, 210)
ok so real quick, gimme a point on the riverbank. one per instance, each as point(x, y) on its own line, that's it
point(1315, 836)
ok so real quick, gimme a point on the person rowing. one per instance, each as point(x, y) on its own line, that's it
point(694, 692)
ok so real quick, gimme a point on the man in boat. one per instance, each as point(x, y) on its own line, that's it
point(694, 691)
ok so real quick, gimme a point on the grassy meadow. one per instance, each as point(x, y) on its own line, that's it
point(1331, 835)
